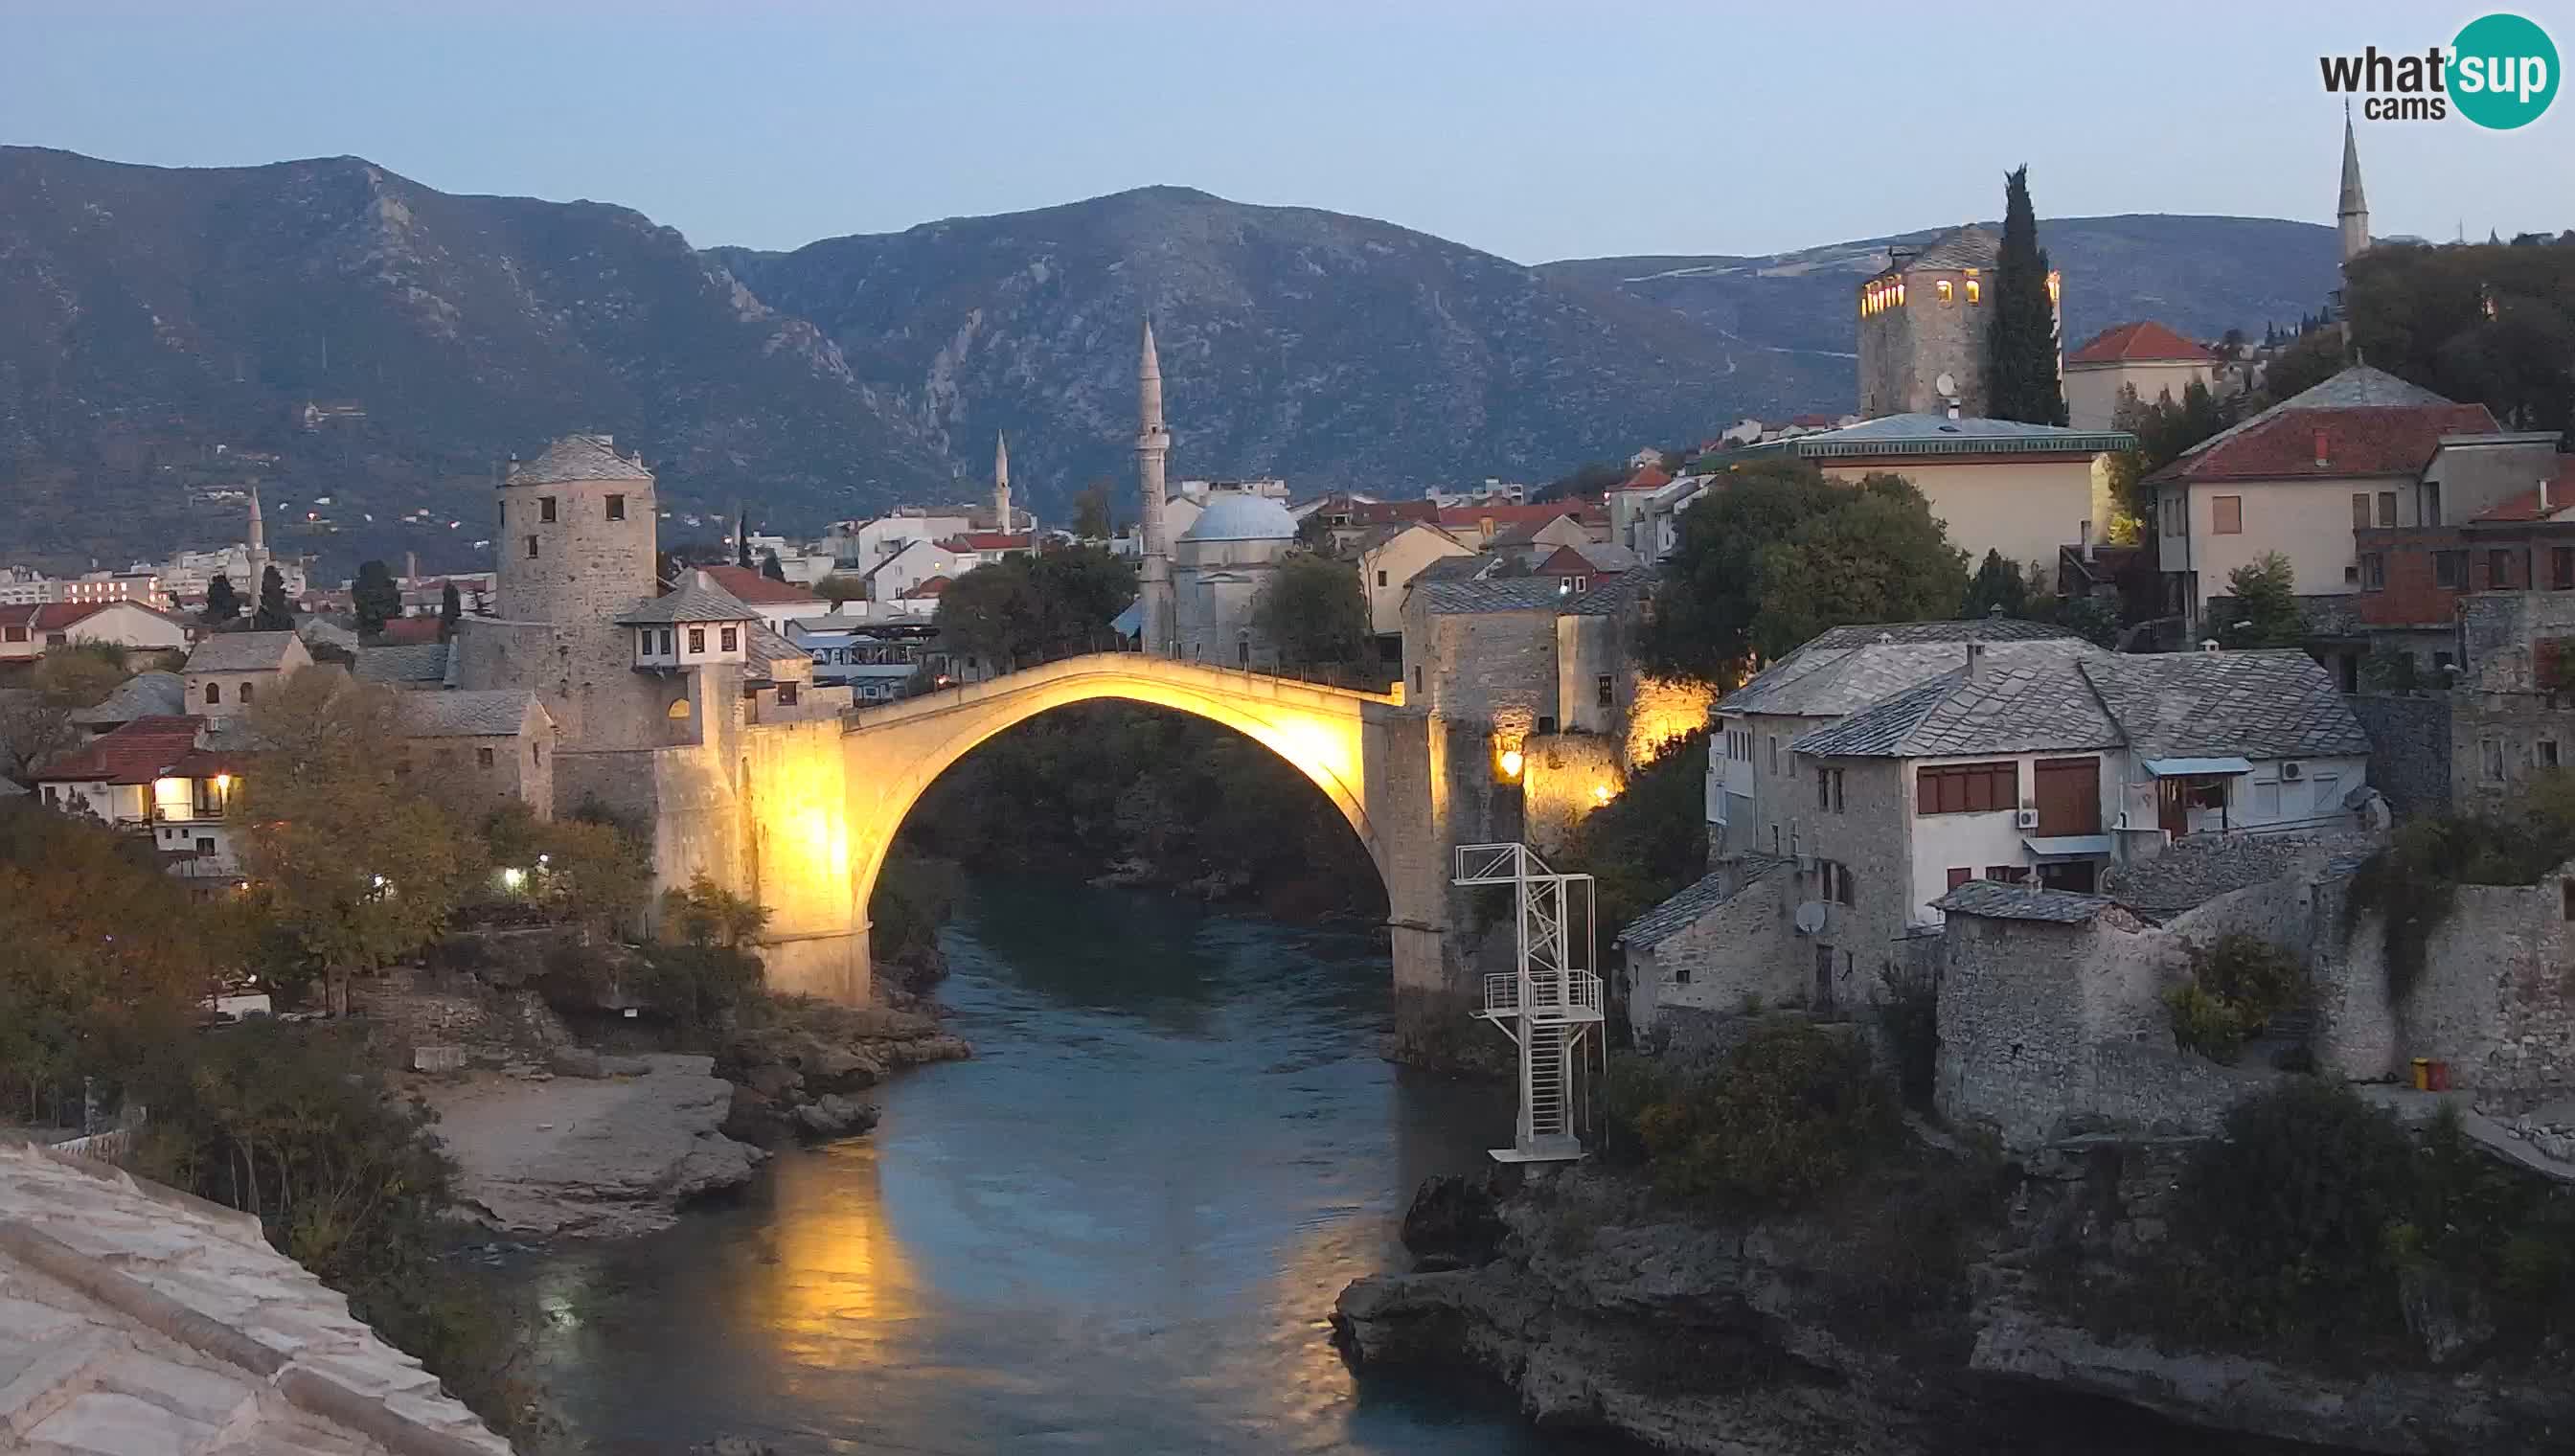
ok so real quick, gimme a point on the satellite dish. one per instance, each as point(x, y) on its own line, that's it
point(1947, 384)
point(1810, 918)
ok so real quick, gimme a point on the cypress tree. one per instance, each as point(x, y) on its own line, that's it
point(272, 615)
point(374, 595)
point(223, 604)
point(2021, 381)
point(451, 609)
point(772, 567)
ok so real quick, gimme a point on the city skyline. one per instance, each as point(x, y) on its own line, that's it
point(1642, 132)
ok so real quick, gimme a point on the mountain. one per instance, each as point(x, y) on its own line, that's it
point(161, 333)
point(1331, 350)
point(150, 318)
point(2200, 275)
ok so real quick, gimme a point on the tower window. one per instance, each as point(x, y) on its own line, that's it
point(1976, 291)
point(1605, 688)
point(214, 693)
point(787, 694)
point(697, 639)
point(245, 693)
point(546, 508)
point(666, 641)
point(532, 548)
point(1948, 292)
point(616, 507)
point(483, 758)
point(645, 644)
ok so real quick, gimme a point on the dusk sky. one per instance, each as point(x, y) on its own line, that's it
point(1534, 131)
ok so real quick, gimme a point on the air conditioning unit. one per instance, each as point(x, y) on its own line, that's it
point(2291, 772)
point(2025, 818)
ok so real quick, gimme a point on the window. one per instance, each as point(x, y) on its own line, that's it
point(214, 693)
point(17, 634)
point(2267, 798)
point(2561, 568)
point(2373, 572)
point(1380, 579)
point(727, 637)
point(1952, 788)
point(1975, 292)
point(2498, 570)
point(546, 508)
point(483, 758)
point(532, 548)
point(2442, 665)
point(666, 641)
point(644, 641)
point(616, 507)
point(2431, 503)
point(1838, 790)
point(697, 639)
point(2449, 568)
point(2544, 752)
point(1774, 838)
point(205, 844)
point(246, 692)
point(2361, 510)
point(787, 694)
point(1959, 875)
point(2227, 515)
point(1774, 753)
point(1833, 882)
point(1417, 680)
point(1823, 789)
point(2004, 873)
point(1605, 688)
point(537, 755)
point(2490, 760)
point(2206, 792)
point(2387, 508)
point(1947, 292)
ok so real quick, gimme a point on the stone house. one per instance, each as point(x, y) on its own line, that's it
point(2295, 480)
point(224, 675)
point(480, 749)
point(1390, 557)
point(2024, 490)
point(2145, 357)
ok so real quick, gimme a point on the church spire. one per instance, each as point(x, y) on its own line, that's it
point(2352, 213)
point(1001, 482)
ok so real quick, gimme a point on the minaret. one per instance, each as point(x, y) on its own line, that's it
point(1152, 444)
point(1001, 482)
point(2353, 212)
point(258, 550)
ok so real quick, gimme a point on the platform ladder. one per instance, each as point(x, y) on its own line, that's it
point(1549, 1002)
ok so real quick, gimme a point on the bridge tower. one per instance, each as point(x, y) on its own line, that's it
point(1547, 1004)
point(1153, 445)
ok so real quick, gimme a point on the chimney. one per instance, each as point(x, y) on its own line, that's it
point(2324, 457)
point(2544, 507)
point(411, 565)
point(2084, 533)
point(1975, 660)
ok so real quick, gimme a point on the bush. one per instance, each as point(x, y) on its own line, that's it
point(1790, 1114)
point(1908, 1012)
point(2236, 986)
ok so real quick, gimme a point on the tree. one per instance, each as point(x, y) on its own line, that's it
point(375, 594)
point(772, 567)
point(1997, 588)
point(2265, 611)
point(2021, 381)
point(1091, 514)
point(1036, 608)
point(451, 611)
point(2316, 357)
point(1780, 553)
point(841, 586)
point(356, 868)
point(81, 675)
point(741, 539)
point(2492, 325)
point(1315, 534)
point(1313, 611)
point(1584, 481)
point(223, 604)
point(592, 875)
point(274, 613)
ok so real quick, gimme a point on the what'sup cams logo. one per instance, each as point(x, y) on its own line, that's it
point(2501, 72)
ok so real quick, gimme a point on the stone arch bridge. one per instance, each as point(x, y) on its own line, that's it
point(823, 807)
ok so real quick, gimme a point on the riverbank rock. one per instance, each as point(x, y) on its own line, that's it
point(832, 1115)
point(1454, 1221)
point(591, 1157)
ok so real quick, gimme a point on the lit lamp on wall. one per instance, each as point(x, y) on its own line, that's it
point(1599, 793)
point(1511, 761)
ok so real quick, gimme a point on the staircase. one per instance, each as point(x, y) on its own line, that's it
point(1544, 1004)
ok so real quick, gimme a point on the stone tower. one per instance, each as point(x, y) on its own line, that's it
point(1153, 445)
point(1925, 322)
point(1001, 482)
point(2352, 213)
point(578, 531)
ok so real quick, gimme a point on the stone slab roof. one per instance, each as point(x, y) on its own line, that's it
point(2020, 903)
point(2200, 868)
point(145, 694)
point(1967, 247)
point(1444, 595)
point(2253, 704)
point(698, 599)
point(765, 647)
point(137, 1319)
point(241, 652)
point(2033, 700)
point(465, 712)
point(408, 662)
point(1851, 667)
point(579, 457)
point(1684, 909)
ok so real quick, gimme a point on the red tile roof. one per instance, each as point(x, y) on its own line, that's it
point(929, 587)
point(2525, 507)
point(1649, 478)
point(408, 631)
point(1566, 561)
point(2139, 343)
point(1387, 513)
point(2373, 440)
point(138, 753)
point(751, 589)
point(1502, 515)
point(58, 616)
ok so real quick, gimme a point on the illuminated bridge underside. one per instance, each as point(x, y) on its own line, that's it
point(1385, 768)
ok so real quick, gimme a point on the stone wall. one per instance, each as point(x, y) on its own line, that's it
point(1561, 776)
point(2500, 741)
point(2409, 741)
point(1739, 952)
point(1485, 666)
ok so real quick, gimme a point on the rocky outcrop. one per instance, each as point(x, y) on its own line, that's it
point(795, 1071)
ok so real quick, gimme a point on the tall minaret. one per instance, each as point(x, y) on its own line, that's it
point(2353, 212)
point(258, 550)
point(1001, 482)
point(1152, 444)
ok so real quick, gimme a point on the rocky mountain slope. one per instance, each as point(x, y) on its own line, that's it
point(161, 331)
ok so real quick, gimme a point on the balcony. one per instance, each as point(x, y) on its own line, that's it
point(1555, 1000)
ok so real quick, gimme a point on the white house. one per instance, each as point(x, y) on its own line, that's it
point(25, 633)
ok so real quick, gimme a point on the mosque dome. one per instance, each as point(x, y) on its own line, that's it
point(1241, 516)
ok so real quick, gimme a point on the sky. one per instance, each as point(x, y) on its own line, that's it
point(1535, 131)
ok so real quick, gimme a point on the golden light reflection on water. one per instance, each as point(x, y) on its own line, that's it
point(834, 1274)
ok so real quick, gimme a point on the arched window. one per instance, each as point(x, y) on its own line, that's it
point(247, 689)
point(214, 693)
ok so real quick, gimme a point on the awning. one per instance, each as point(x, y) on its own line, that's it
point(1132, 621)
point(2196, 767)
point(2068, 846)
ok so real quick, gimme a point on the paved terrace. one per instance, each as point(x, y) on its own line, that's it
point(138, 1321)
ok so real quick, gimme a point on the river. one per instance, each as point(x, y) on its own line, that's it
point(1117, 1229)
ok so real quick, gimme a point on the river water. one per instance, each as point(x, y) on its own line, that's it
point(1117, 1229)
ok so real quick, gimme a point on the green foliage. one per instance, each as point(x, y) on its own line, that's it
point(704, 965)
point(1315, 534)
point(2165, 427)
point(1997, 587)
point(586, 872)
point(451, 611)
point(80, 674)
point(2315, 357)
point(772, 567)
point(223, 603)
point(2265, 608)
point(841, 586)
point(1092, 521)
point(1791, 1114)
point(2411, 882)
point(2393, 670)
point(913, 898)
point(275, 614)
point(1908, 1012)
point(1650, 843)
point(2238, 984)
point(1036, 608)
point(2488, 324)
point(2094, 618)
point(1586, 482)
point(2205, 1024)
point(1313, 610)
point(1780, 553)
point(376, 596)
point(705, 914)
point(2021, 379)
